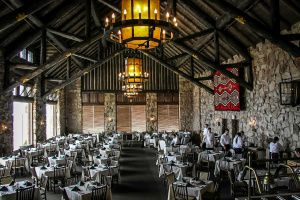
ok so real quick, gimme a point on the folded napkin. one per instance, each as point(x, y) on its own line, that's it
point(19, 156)
point(1, 166)
point(238, 159)
point(201, 183)
point(28, 150)
point(43, 168)
point(195, 179)
point(217, 151)
point(182, 180)
point(94, 165)
point(68, 148)
point(103, 148)
point(106, 164)
point(44, 143)
point(62, 157)
point(76, 188)
point(96, 183)
point(3, 188)
point(168, 154)
point(105, 167)
point(27, 183)
point(184, 163)
point(11, 183)
point(36, 149)
point(105, 144)
point(178, 154)
point(58, 165)
point(98, 157)
point(223, 158)
point(107, 155)
point(54, 157)
point(167, 146)
point(172, 161)
point(109, 149)
point(74, 143)
point(91, 188)
point(205, 150)
point(48, 165)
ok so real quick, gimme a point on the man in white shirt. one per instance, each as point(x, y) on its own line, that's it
point(225, 140)
point(243, 136)
point(209, 140)
point(275, 147)
point(164, 135)
point(175, 140)
point(187, 133)
point(205, 129)
point(238, 143)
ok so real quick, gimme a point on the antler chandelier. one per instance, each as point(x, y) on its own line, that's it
point(141, 27)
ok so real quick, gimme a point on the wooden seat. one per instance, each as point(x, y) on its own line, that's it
point(43, 186)
point(99, 193)
point(181, 193)
point(59, 175)
point(25, 193)
point(212, 195)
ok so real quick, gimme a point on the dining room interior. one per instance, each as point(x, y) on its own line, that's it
point(149, 99)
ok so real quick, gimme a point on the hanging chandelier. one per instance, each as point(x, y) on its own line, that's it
point(141, 27)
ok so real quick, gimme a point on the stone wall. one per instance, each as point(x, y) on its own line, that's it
point(38, 112)
point(6, 110)
point(151, 112)
point(60, 113)
point(271, 65)
point(110, 112)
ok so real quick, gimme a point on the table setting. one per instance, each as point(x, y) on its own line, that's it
point(8, 191)
point(83, 191)
point(48, 170)
point(101, 169)
point(57, 160)
point(209, 155)
point(179, 168)
point(29, 153)
point(228, 162)
point(195, 188)
point(18, 159)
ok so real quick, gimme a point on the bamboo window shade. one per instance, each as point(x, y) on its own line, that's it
point(131, 118)
point(123, 118)
point(168, 118)
point(93, 119)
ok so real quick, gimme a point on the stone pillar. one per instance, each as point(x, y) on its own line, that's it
point(60, 113)
point(38, 112)
point(6, 112)
point(196, 109)
point(110, 112)
point(73, 107)
point(151, 112)
point(185, 104)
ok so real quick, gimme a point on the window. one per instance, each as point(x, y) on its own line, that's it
point(50, 120)
point(131, 118)
point(168, 118)
point(23, 54)
point(93, 118)
point(22, 124)
point(30, 57)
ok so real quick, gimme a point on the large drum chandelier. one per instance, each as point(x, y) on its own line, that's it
point(133, 77)
point(141, 27)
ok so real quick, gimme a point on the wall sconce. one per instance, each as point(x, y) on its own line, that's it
point(152, 118)
point(218, 121)
point(252, 123)
point(110, 119)
point(4, 127)
point(42, 123)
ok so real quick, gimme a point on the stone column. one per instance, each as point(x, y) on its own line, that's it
point(6, 112)
point(60, 113)
point(38, 112)
point(151, 112)
point(185, 104)
point(110, 112)
point(196, 109)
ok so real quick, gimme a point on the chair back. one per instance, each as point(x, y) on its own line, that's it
point(167, 168)
point(171, 178)
point(61, 151)
point(64, 193)
point(239, 156)
point(105, 180)
point(6, 179)
point(175, 149)
point(59, 172)
point(180, 191)
point(86, 172)
point(163, 160)
point(203, 175)
point(25, 193)
point(69, 164)
point(99, 193)
point(70, 181)
point(114, 163)
point(90, 158)
point(33, 172)
point(44, 181)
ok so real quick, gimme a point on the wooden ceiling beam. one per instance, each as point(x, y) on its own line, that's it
point(199, 34)
point(22, 66)
point(237, 65)
point(52, 61)
point(176, 57)
point(205, 78)
point(21, 13)
point(115, 8)
point(65, 34)
point(85, 57)
point(168, 9)
point(82, 72)
point(213, 65)
point(95, 13)
point(264, 31)
point(175, 70)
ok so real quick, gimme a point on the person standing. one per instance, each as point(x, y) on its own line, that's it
point(238, 143)
point(225, 140)
point(164, 135)
point(205, 129)
point(209, 140)
point(175, 140)
point(275, 147)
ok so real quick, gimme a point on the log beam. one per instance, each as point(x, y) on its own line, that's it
point(65, 34)
point(195, 35)
point(82, 72)
point(52, 61)
point(85, 57)
point(175, 70)
point(176, 57)
point(236, 65)
point(205, 78)
point(110, 5)
point(95, 13)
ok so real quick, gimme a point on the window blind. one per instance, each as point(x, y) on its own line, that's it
point(168, 118)
point(93, 119)
point(138, 117)
point(123, 118)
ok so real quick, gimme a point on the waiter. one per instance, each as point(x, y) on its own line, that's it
point(205, 129)
point(209, 140)
point(225, 140)
point(175, 140)
point(238, 143)
point(275, 147)
point(164, 135)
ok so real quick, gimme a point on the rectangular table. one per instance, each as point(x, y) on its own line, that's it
point(228, 165)
point(4, 162)
point(11, 193)
point(49, 171)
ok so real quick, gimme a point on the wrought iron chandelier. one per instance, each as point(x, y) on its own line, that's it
point(141, 27)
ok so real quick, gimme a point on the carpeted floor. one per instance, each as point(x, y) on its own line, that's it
point(139, 177)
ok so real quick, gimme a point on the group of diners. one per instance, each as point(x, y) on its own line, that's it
point(81, 166)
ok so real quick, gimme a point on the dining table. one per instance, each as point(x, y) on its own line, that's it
point(85, 192)
point(29, 153)
point(57, 160)
point(195, 189)
point(16, 161)
point(178, 168)
point(102, 169)
point(49, 171)
point(10, 194)
point(211, 155)
point(227, 163)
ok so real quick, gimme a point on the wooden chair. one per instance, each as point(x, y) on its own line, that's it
point(86, 173)
point(88, 161)
point(6, 179)
point(70, 181)
point(59, 175)
point(25, 193)
point(34, 176)
point(114, 173)
point(99, 193)
point(105, 180)
point(203, 175)
point(212, 195)
point(181, 193)
point(20, 165)
point(170, 179)
point(204, 163)
point(43, 186)
point(237, 186)
point(189, 170)
point(167, 168)
point(64, 193)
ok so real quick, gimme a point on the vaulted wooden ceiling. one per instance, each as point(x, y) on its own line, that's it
point(65, 23)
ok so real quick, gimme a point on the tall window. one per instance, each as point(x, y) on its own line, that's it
point(168, 118)
point(131, 118)
point(30, 57)
point(93, 118)
point(50, 120)
point(22, 124)
point(23, 54)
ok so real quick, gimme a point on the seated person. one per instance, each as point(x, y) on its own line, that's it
point(186, 133)
point(275, 147)
point(147, 136)
point(175, 140)
point(209, 140)
point(238, 143)
point(164, 135)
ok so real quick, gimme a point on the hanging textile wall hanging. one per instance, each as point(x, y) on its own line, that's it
point(227, 91)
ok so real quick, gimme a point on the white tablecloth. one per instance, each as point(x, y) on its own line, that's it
point(194, 191)
point(101, 160)
point(95, 173)
point(178, 169)
point(58, 160)
point(84, 194)
point(11, 193)
point(5, 162)
point(155, 142)
point(228, 165)
point(50, 172)
point(33, 152)
point(210, 156)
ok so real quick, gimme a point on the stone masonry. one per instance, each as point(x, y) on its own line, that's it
point(151, 112)
point(110, 112)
